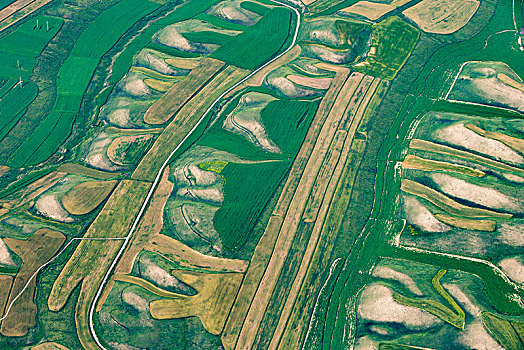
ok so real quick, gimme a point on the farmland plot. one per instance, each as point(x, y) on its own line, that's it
point(362, 190)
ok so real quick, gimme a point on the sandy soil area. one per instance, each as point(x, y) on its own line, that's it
point(417, 214)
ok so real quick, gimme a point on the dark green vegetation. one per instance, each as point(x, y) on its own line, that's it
point(74, 76)
point(426, 77)
point(244, 50)
point(18, 53)
point(247, 190)
point(455, 317)
point(391, 44)
point(510, 334)
point(248, 187)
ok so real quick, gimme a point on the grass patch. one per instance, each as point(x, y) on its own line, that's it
point(247, 190)
point(456, 318)
point(257, 45)
point(287, 122)
point(414, 162)
point(504, 331)
point(74, 76)
point(216, 165)
point(391, 44)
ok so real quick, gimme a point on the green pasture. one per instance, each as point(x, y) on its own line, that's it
point(75, 75)
point(393, 39)
point(253, 47)
point(247, 190)
point(427, 77)
point(244, 50)
point(18, 52)
point(287, 123)
point(248, 187)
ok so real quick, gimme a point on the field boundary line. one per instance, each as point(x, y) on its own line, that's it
point(492, 266)
point(279, 212)
point(323, 212)
point(167, 161)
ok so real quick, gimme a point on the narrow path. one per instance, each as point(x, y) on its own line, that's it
point(167, 161)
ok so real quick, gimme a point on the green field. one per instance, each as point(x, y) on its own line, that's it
point(392, 43)
point(74, 76)
point(423, 80)
point(247, 190)
point(248, 187)
point(18, 53)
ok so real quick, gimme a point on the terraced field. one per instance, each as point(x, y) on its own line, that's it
point(261, 174)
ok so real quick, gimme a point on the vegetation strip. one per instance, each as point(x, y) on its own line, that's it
point(428, 146)
point(331, 184)
point(265, 246)
point(181, 92)
point(508, 333)
point(296, 209)
point(415, 162)
point(322, 272)
point(445, 203)
point(186, 256)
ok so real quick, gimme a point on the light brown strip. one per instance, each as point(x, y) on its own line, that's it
point(265, 246)
point(295, 211)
